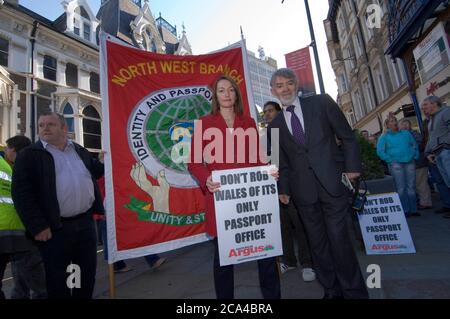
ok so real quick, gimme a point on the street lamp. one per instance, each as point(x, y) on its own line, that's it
point(314, 46)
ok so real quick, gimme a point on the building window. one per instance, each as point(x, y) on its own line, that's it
point(71, 75)
point(82, 23)
point(370, 105)
point(76, 26)
point(381, 82)
point(4, 52)
point(92, 129)
point(358, 105)
point(87, 31)
point(397, 72)
point(94, 82)
point(341, 28)
point(49, 68)
point(148, 41)
point(350, 117)
point(367, 30)
point(400, 71)
point(357, 44)
point(347, 6)
point(68, 115)
point(343, 85)
point(349, 59)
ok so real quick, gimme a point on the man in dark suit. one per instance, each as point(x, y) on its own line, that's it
point(54, 191)
point(311, 167)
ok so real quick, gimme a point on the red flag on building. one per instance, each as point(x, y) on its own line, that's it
point(300, 62)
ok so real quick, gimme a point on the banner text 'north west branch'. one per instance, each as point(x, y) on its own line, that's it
point(173, 67)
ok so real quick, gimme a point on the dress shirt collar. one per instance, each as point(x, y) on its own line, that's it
point(296, 103)
point(69, 143)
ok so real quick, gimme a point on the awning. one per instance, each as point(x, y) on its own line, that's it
point(419, 11)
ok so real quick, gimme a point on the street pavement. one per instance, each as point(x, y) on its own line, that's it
point(187, 273)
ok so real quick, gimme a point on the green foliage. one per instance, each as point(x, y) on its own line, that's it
point(372, 166)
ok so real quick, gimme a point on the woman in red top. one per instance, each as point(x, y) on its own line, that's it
point(227, 113)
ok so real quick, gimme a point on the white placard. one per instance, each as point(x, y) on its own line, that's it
point(247, 215)
point(384, 227)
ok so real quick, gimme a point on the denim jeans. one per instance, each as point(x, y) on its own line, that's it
point(4, 260)
point(443, 163)
point(404, 175)
point(444, 191)
point(29, 275)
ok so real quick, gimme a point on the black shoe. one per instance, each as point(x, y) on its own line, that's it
point(442, 210)
point(414, 214)
point(420, 207)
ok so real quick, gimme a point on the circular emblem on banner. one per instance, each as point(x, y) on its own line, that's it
point(160, 129)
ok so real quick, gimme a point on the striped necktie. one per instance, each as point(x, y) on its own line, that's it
point(296, 125)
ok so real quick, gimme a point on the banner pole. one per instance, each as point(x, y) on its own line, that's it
point(112, 284)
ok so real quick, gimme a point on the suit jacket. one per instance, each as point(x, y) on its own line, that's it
point(320, 159)
point(34, 187)
point(201, 171)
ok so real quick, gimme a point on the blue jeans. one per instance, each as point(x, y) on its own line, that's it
point(444, 192)
point(443, 163)
point(404, 175)
point(151, 259)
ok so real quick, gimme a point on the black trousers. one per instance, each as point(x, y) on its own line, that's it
point(292, 229)
point(75, 243)
point(4, 259)
point(269, 279)
point(334, 259)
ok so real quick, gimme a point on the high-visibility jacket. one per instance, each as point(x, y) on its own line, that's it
point(10, 222)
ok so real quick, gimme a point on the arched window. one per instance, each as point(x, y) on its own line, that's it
point(68, 115)
point(92, 129)
point(148, 41)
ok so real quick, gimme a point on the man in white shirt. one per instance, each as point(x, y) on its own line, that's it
point(311, 168)
point(55, 191)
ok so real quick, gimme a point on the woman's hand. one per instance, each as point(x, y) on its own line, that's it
point(274, 173)
point(212, 186)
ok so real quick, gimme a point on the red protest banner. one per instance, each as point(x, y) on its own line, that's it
point(150, 103)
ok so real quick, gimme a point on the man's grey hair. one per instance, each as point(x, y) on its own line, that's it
point(284, 73)
point(433, 99)
point(60, 117)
